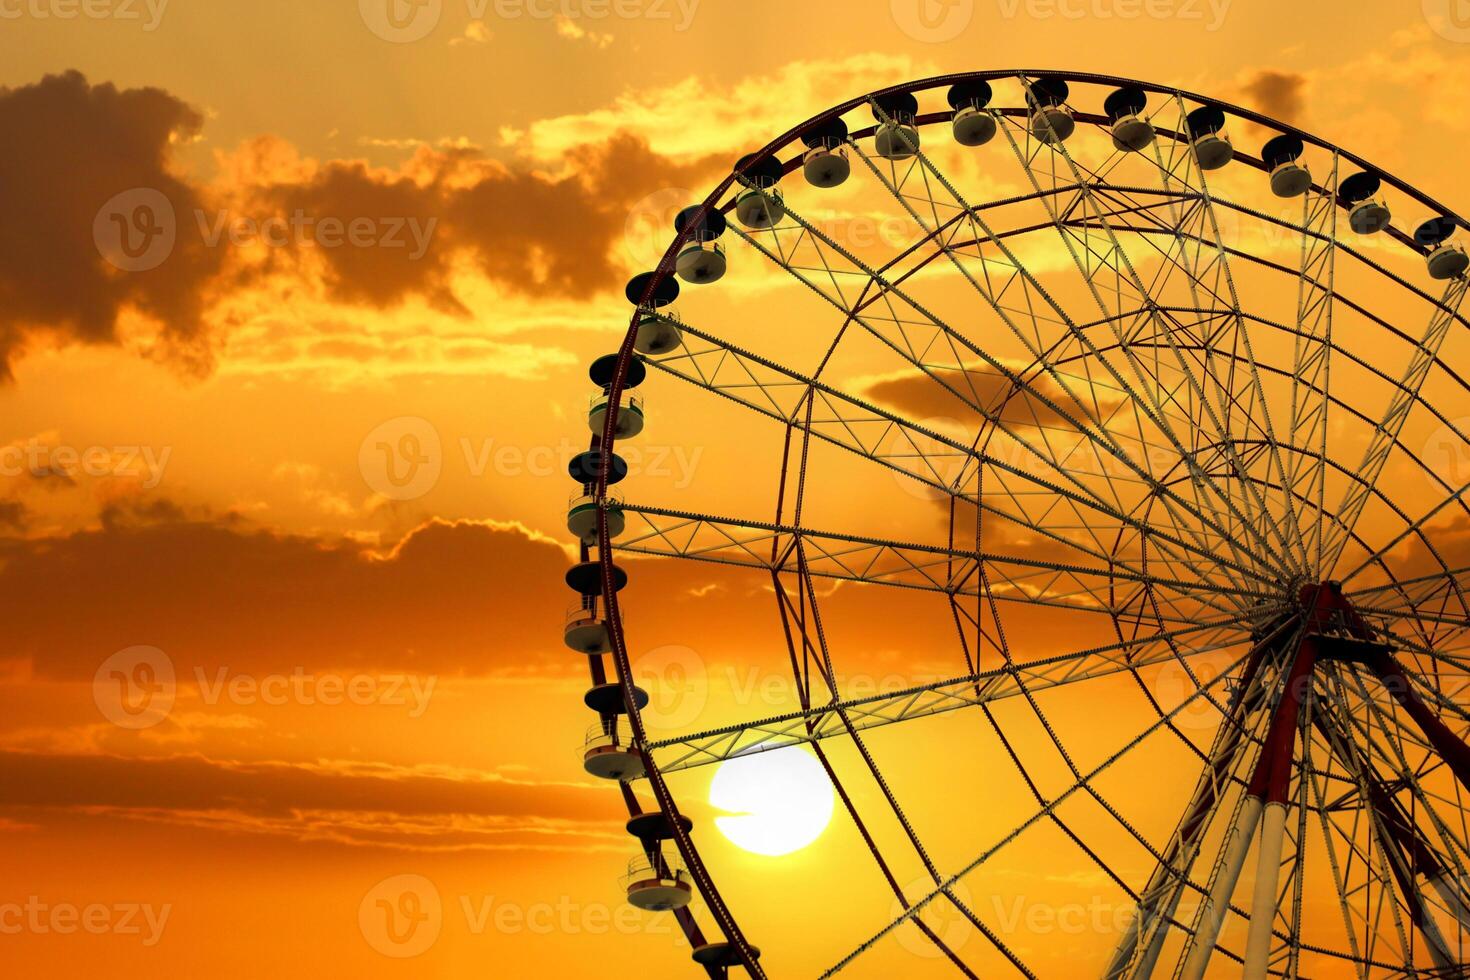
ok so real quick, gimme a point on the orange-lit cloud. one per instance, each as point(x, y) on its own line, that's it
point(350, 803)
point(70, 147)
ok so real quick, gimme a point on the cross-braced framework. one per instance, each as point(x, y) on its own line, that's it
point(1154, 403)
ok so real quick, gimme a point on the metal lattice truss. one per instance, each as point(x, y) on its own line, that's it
point(1196, 423)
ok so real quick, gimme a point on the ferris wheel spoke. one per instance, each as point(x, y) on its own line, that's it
point(1387, 734)
point(1449, 586)
point(1312, 358)
point(1063, 466)
point(908, 448)
point(1042, 812)
point(1440, 639)
point(1026, 692)
point(1158, 906)
point(1414, 529)
point(1028, 283)
point(1234, 254)
point(1434, 606)
point(1275, 916)
point(1234, 399)
point(1013, 277)
point(1402, 847)
point(1416, 611)
point(821, 721)
point(1197, 514)
point(1197, 250)
point(1456, 580)
point(1384, 735)
point(796, 614)
point(1314, 776)
point(1109, 277)
point(879, 561)
point(1369, 884)
point(1386, 434)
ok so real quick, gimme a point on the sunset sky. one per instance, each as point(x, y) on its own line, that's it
point(368, 679)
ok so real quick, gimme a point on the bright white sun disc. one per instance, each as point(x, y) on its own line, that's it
point(777, 802)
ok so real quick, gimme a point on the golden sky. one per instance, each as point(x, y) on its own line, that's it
point(369, 680)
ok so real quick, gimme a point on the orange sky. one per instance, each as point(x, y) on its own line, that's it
point(369, 681)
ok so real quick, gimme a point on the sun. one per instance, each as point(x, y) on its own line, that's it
point(776, 802)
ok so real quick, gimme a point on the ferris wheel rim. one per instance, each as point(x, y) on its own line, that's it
point(664, 267)
point(742, 951)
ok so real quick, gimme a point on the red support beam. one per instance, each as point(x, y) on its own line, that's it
point(1450, 747)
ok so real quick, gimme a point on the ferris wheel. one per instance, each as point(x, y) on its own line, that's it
point(1098, 398)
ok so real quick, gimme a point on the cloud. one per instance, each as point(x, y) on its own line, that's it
point(460, 218)
point(1451, 537)
point(547, 236)
point(1278, 94)
point(697, 116)
point(273, 230)
point(474, 33)
point(918, 396)
point(13, 515)
point(452, 598)
point(70, 148)
point(572, 31)
point(416, 808)
point(460, 598)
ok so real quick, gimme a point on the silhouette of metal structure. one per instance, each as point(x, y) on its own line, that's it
point(1197, 476)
